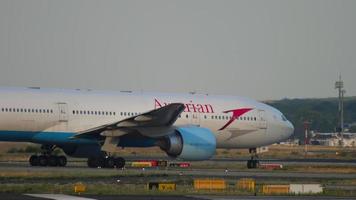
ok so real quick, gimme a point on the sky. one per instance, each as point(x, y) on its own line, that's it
point(260, 49)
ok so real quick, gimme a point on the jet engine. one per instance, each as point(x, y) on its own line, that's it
point(189, 143)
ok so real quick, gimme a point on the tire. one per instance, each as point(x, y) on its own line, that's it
point(253, 163)
point(257, 163)
point(53, 161)
point(119, 162)
point(42, 161)
point(93, 162)
point(249, 164)
point(33, 160)
point(62, 161)
point(109, 162)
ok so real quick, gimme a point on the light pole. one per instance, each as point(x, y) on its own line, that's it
point(306, 140)
point(339, 85)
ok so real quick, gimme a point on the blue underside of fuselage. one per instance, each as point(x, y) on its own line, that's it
point(57, 138)
point(65, 138)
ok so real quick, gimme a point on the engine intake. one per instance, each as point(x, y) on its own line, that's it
point(189, 143)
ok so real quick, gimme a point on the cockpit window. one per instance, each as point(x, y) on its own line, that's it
point(284, 118)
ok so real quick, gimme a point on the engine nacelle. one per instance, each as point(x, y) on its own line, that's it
point(190, 143)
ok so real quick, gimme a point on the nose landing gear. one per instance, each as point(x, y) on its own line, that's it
point(253, 163)
point(47, 159)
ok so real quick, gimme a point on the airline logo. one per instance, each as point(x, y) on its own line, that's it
point(189, 107)
point(235, 114)
point(206, 108)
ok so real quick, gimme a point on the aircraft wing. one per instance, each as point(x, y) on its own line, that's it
point(162, 117)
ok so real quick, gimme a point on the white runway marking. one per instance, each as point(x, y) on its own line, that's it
point(58, 197)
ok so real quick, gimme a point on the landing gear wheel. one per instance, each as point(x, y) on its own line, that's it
point(53, 161)
point(42, 161)
point(93, 162)
point(256, 163)
point(34, 160)
point(253, 163)
point(62, 161)
point(249, 164)
point(119, 162)
point(109, 162)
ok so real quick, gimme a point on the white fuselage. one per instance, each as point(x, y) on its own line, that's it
point(53, 111)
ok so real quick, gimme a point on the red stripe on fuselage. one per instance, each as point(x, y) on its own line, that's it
point(235, 114)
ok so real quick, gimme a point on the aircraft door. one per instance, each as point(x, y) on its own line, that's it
point(63, 112)
point(261, 120)
point(195, 119)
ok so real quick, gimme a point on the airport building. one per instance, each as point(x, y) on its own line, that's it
point(333, 139)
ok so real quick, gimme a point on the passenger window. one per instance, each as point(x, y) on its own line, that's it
point(51, 111)
point(73, 112)
point(114, 113)
point(186, 116)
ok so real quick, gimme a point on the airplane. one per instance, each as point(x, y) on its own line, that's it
point(93, 124)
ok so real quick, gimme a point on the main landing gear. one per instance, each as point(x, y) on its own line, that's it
point(47, 159)
point(106, 162)
point(253, 162)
